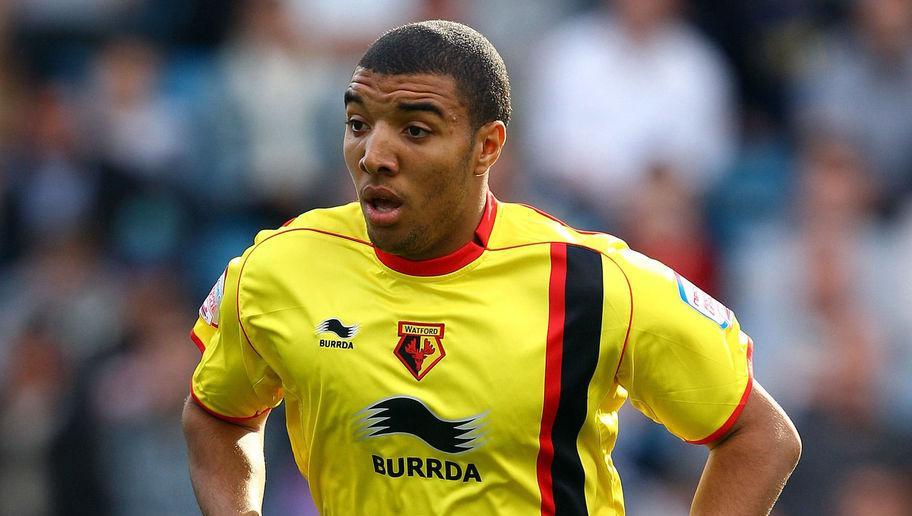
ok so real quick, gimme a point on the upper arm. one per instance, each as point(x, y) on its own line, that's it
point(232, 380)
point(687, 364)
point(763, 418)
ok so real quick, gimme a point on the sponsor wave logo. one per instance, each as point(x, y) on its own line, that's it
point(336, 326)
point(405, 415)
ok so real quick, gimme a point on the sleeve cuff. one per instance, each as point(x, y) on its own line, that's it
point(730, 422)
point(217, 415)
point(198, 341)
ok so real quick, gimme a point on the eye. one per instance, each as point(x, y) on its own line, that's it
point(415, 131)
point(356, 126)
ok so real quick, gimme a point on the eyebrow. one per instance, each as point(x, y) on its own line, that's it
point(428, 107)
point(351, 96)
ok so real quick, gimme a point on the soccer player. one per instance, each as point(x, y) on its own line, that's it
point(442, 352)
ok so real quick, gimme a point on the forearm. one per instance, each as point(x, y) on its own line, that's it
point(227, 468)
point(736, 482)
point(746, 472)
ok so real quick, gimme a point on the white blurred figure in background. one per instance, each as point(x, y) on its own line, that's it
point(275, 78)
point(138, 130)
point(625, 88)
point(348, 26)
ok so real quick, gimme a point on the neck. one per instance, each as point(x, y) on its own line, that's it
point(446, 261)
point(464, 230)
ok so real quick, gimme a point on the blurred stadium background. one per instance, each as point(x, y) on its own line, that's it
point(763, 149)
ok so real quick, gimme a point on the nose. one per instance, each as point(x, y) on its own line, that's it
point(379, 154)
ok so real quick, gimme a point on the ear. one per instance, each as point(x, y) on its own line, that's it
point(489, 142)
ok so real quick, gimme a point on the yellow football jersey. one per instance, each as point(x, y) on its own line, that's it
point(484, 382)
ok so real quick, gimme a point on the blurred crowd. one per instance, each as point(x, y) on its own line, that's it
point(763, 149)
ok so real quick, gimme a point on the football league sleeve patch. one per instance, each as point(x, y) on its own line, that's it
point(703, 303)
point(209, 310)
point(208, 315)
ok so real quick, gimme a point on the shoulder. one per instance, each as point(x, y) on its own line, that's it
point(643, 277)
point(521, 225)
point(316, 233)
point(343, 223)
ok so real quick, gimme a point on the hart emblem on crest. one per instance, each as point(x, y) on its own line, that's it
point(420, 346)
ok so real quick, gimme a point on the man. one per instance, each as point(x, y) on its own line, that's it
point(440, 352)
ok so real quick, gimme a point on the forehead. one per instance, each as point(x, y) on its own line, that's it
point(381, 90)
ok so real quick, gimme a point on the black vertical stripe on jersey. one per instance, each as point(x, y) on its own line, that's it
point(582, 330)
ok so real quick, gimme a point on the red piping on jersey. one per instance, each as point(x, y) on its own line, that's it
point(555, 219)
point(198, 341)
point(720, 433)
point(237, 302)
point(235, 420)
point(453, 261)
point(330, 233)
point(553, 360)
point(630, 320)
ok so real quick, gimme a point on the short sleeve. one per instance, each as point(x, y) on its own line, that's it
point(231, 381)
point(686, 364)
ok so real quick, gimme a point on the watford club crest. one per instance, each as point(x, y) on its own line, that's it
point(420, 347)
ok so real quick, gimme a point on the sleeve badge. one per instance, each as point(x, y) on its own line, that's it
point(209, 310)
point(704, 303)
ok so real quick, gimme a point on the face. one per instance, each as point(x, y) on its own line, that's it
point(417, 165)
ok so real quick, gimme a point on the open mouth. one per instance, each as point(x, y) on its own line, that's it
point(384, 205)
point(381, 206)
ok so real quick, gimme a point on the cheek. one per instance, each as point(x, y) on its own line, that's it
point(351, 154)
point(446, 187)
point(439, 177)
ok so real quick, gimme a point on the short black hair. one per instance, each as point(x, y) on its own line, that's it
point(443, 47)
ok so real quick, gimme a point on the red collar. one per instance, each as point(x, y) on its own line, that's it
point(453, 261)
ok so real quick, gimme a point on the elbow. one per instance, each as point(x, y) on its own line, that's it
point(784, 439)
point(790, 444)
point(775, 431)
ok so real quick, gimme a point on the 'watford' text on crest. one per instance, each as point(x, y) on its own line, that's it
point(420, 346)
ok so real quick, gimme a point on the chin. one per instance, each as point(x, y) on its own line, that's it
point(384, 239)
point(388, 241)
